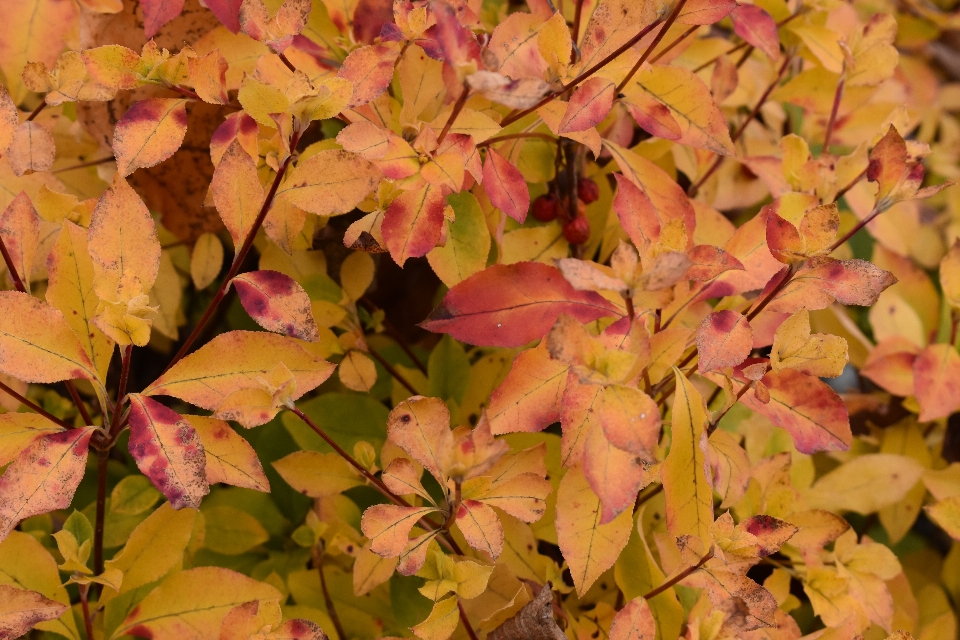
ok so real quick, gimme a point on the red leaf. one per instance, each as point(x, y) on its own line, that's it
point(724, 339)
point(936, 374)
point(638, 216)
point(412, 223)
point(653, 116)
point(370, 69)
point(822, 280)
point(510, 305)
point(157, 13)
point(757, 27)
point(168, 451)
point(805, 406)
point(227, 12)
point(588, 106)
point(505, 186)
point(709, 262)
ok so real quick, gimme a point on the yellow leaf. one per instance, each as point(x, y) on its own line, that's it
point(17, 430)
point(190, 605)
point(688, 495)
point(9, 119)
point(950, 275)
point(233, 361)
point(148, 133)
point(231, 531)
point(44, 477)
point(590, 548)
point(866, 483)
point(371, 570)
point(37, 344)
point(442, 621)
point(946, 514)
point(26, 564)
point(794, 347)
point(331, 182)
point(206, 260)
point(468, 242)
point(229, 458)
point(823, 43)
point(33, 30)
point(208, 76)
point(237, 192)
point(154, 547)
point(316, 474)
point(356, 274)
point(32, 149)
point(701, 123)
point(357, 371)
point(260, 100)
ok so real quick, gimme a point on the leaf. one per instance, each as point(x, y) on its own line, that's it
point(237, 192)
point(806, 407)
point(866, 483)
point(388, 527)
point(18, 430)
point(370, 70)
point(298, 629)
point(44, 477)
point(936, 374)
point(413, 222)
point(20, 231)
point(756, 27)
point(157, 13)
point(590, 548)
point(123, 244)
point(794, 347)
point(316, 474)
point(32, 149)
point(614, 475)
point(168, 451)
point(510, 305)
point(154, 547)
point(21, 610)
point(588, 106)
point(148, 133)
point(529, 398)
point(724, 339)
point(190, 604)
point(206, 260)
point(277, 303)
point(421, 427)
point(231, 531)
point(357, 371)
point(611, 25)
point(442, 621)
point(634, 622)
point(468, 242)
point(505, 186)
point(234, 361)
point(480, 527)
point(37, 344)
point(822, 280)
point(688, 496)
point(946, 514)
point(690, 103)
point(534, 621)
point(729, 467)
point(330, 182)
point(9, 119)
point(228, 458)
point(208, 73)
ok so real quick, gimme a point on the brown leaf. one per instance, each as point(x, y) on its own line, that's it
point(534, 622)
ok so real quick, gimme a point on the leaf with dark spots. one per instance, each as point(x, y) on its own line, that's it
point(277, 303)
point(148, 133)
point(21, 610)
point(534, 622)
point(168, 451)
point(44, 477)
point(510, 305)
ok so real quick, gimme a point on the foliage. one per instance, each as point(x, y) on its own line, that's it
point(708, 388)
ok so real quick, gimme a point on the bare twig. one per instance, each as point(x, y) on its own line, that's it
point(837, 97)
point(331, 610)
point(677, 578)
point(46, 414)
point(653, 45)
point(84, 165)
point(457, 108)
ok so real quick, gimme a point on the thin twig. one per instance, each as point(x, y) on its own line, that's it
point(466, 621)
point(849, 234)
point(84, 165)
point(677, 578)
point(125, 354)
point(82, 408)
point(331, 610)
point(287, 62)
point(87, 623)
point(741, 45)
point(103, 456)
point(653, 45)
point(237, 260)
point(393, 372)
point(11, 269)
point(36, 112)
point(514, 136)
point(713, 425)
point(849, 186)
point(837, 96)
point(46, 414)
point(457, 108)
point(683, 36)
point(575, 29)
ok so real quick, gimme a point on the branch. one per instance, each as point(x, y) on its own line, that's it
point(393, 372)
point(457, 108)
point(683, 36)
point(46, 414)
point(289, 65)
point(837, 96)
point(653, 45)
point(677, 578)
point(331, 611)
point(466, 622)
point(514, 136)
point(84, 165)
point(36, 112)
point(103, 456)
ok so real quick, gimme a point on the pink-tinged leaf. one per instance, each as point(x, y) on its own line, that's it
point(724, 339)
point(157, 13)
point(653, 116)
point(457, 42)
point(229, 457)
point(709, 261)
point(510, 305)
point(822, 280)
point(807, 407)
point(20, 230)
point(505, 186)
point(588, 106)
point(227, 12)
point(783, 239)
point(705, 11)
point(370, 69)
point(638, 216)
point(168, 451)
point(630, 420)
point(481, 527)
point(757, 27)
point(771, 532)
point(236, 126)
point(237, 192)
point(277, 303)
point(32, 149)
point(529, 398)
point(208, 73)
point(21, 610)
point(148, 133)
point(330, 182)
point(9, 119)
point(44, 477)
point(37, 344)
point(388, 527)
point(634, 622)
point(615, 475)
point(936, 374)
point(299, 629)
point(413, 222)
point(890, 365)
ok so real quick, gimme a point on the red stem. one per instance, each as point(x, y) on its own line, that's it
point(653, 45)
point(36, 112)
point(837, 96)
point(46, 414)
point(457, 108)
point(677, 578)
point(466, 622)
point(103, 456)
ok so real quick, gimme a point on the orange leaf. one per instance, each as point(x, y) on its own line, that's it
point(529, 398)
point(148, 133)
point(388, 527)
point(168, 451)
point(510, 305)
point(634, 622)
point(330, 182)
point(370, 70)
point(277, 303)
point(20, 230)
point(705, 11)
point(756, 27)
point(237, 192)
point(157, 13)
point(421, 427)
point(21, 610)
point(32, 149)
point(44, 477)
point(614, 475)
point(724, 339)
point(228, 457)
point(822, 280)
point(505, 186)
point(936, 374)
point(481, 527)
point(9, 119)
point(412, 223)
point(588, 106)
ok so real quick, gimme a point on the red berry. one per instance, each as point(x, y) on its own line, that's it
point(545, 208)
point(577, 231)
point(587, 190)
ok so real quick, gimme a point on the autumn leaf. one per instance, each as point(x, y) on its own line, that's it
point(757, 27)
point(935, 378)
point(512, 305)
point(277, 303)
point(505, 186)
point(589, 104)
point(168, 451)
point(20, 231)
point(21, 610)
point(317, 474)
point(237, 192)
point(148, 133)
point(330, 182)
point(724, 339)
point(529, 398)
point(413, 222)
point(228, 457)
point(794, 347)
